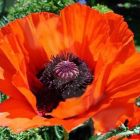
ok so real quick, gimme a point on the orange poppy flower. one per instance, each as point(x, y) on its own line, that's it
point(61, 70)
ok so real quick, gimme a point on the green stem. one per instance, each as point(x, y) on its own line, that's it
point(127, 133)
point(120, 133)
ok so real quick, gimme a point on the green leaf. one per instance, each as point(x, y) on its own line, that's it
point(3, 97)
point(53, 133)
point(102, 8)
point(24, 7)
point(42, 133)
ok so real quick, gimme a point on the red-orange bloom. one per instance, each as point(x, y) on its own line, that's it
point(102, 49)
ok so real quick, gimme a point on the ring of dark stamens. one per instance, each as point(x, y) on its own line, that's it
point(56, 86)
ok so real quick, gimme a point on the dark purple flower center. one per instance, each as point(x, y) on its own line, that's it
point(65, 76)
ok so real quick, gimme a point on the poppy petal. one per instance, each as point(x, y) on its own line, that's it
point(17, 108)
point(116, 109)
point(118, 30)
point(27, 37)
point(80, 30)
point(124, 78)
point(120, 35)
point(21, 124)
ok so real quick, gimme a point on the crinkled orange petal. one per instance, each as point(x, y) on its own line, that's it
point(7, 88)
point(26, 38)
point(17, 108)
point(136, 116)
point(28, 96)
point(124, 78)
point(119, 43)
point(108, 117)
point(123, 87)
point(120, 35)
point(39, 34)
point(81, 30)
point(17, 91)
point(50, 37)
point(13, 71)
point(10, 60)
point(20, 124)
point(37, 121)
point(118, 30)
point(135, 120)
point(12, 63)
